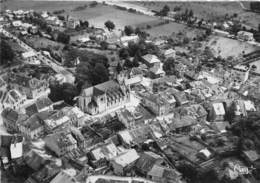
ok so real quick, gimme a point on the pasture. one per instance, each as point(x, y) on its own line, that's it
point(226, 47)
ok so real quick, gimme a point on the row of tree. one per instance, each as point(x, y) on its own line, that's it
point(6, 53)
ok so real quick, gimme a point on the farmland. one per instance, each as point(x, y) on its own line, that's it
point(168, 29)
point(208, 10)
point(95, 15)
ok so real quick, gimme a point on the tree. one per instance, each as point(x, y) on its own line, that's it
point(186, 40)
point(63, 38)
point(191, 13)
point(119, 68)
point(123, 53)
point(109, 25)
point(100, 74)
point(255, 6)
point(49, 29)
point(104, 45)
point(169, 66)
point(92, 69)
point(84, 24)
point(6, 53)
point(208, 32)
point(128, 30)
point(65, 91)
point(93, 4)
point(177, 8)
point(164, 11)
point(128, 64)
point(136, 60)
point(61, 17)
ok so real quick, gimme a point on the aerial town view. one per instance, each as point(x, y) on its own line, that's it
point(112, 91)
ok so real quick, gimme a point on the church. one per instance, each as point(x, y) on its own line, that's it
point(104, 96)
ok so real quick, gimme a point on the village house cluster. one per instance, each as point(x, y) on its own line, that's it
point(147, 123)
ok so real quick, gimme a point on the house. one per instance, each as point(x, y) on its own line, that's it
point(126, 39)
point(11, 148)
point(146, 162)
point(156, 103)
point(169, 53)
point(60, 143)
point(150, 60)
point(245, 36)
point(217, 113)
point(34, 127)
point(12, 99)
point(162, 174)
point(56, 120)
point(28, 54)
point(3, 84)
point(40, 105)
point(126, 117)
point(103, 97)
point(65, 176)
point(249, 106)
point(180, 96)
point(76, 116)
point(106, 151)
point(29, 86)
point(210, 77)
point(11, 119)
point(125, 137)
point(130, 77)
point(157, 71)
point(16, 147)
point(33, 30)
point(36, 159)
point(124, 162)
point(182, 123)
point(198, 111)
point(44, 175)
point(72, 23)
point(251, 156)
point(239, 109)
point(17, 23)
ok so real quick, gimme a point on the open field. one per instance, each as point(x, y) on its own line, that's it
point(208, 10)
point(41, 43)
point(226, 47)
point(96, 15)
point(39, 5)
point(168, 29)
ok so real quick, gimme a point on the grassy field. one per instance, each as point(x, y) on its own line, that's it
point(41, 42)
point(96, 15)
point(168, 29)
point(208, 10)
point(229, 47)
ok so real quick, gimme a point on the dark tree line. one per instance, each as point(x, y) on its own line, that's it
point(255, 6)
point(6, 53)
point(65, 91)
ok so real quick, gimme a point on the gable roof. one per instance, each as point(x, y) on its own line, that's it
point(64, 177)
point(151, 58)
point(147, 160)
point(100, 89)
point(126, 158)
point(219, 108)
point(163, 172)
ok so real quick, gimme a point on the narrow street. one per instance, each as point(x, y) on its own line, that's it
point(53, 64)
